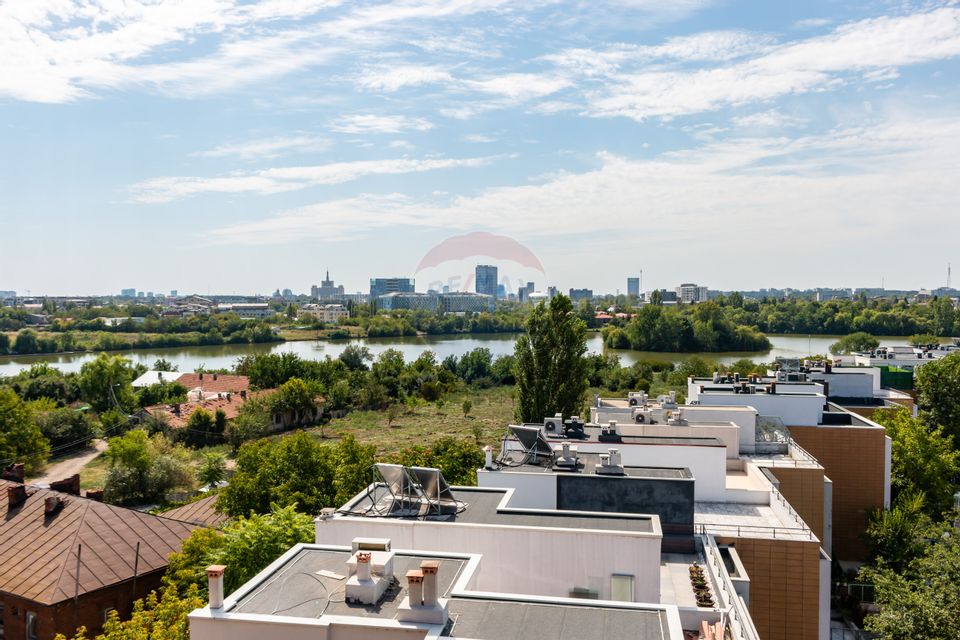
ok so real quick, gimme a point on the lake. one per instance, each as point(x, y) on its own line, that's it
point(225, 356)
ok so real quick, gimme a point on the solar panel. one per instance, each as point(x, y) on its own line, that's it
point(394, 476)
point(433, 484)
point(532, 440)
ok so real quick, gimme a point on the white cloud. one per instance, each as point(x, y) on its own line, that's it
point(282, 179)
point(869, 49)
point(267, 148)
point(370, 123)
point(395, 77)
point(769, 119)
point(812, 23)
point(715, 198)
point(518, 87)
point(478, 138)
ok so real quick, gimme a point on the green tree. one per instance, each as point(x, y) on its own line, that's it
point(201, 429)
point(895, 537)
point(922, 340)
point(859, 341)
point(144, 469)
point(656, 297)
point(157, 617)
point(356, 357)
point(21, 439)
point(924, 460)
point(26, 342)
point(944, 317)
point(66, 428)
point(296, 470)
point(921, 600)
point(467, 406)
point(105, 382)
point(458, 460)
point(938, 393)
point(551, 369)
point(251, 423)
point(212, 468)
point(295, 401)
point(245, 546)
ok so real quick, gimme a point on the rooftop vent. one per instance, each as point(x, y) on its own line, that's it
point(610, 464)
point(567, 457)
point(371, 574)
point(52, 504)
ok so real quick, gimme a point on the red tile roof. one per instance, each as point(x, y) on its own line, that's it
point(215, 382)
point(38, 554)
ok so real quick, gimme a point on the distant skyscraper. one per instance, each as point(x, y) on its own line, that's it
point(486, 279)
point(383, 286)
point(128, 293)
point(633, 287)
point(501, 292)
point(173, 293)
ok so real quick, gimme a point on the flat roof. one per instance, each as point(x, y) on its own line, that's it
point(587, 466)
point(485, 506)
point(592, 436)
point(298, 589)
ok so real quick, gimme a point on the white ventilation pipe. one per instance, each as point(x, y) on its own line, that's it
point(363, 566)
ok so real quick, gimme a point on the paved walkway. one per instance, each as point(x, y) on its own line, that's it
point(71, 464)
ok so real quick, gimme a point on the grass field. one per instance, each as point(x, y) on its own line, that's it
point(487, 421)
point(92, 475)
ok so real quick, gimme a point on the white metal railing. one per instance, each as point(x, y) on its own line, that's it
point(739, 621)
point(754, 531)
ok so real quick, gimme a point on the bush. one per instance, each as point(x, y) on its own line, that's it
point(67, 429)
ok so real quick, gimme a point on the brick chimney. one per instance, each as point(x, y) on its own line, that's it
point(422, 604)
point(16, 496)
point(363, 566)
point(215, 585)
point(95, 494)
point(69, 485)
point(14, 473)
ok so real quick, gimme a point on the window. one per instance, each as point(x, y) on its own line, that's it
point(31, 625)
point(621, 587)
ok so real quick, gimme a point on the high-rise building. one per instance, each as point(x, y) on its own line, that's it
point(173, 293)
point(524, 293)
point(326, 290)
point(689, 293)
point(383, 286)
point(633, 287)
point(486, 277)
point(501, 292)
point(581, 294)
point(128, 293)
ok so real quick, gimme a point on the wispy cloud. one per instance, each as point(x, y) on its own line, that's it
point(370, 123)
point(758, 70)
point(719, 189)
point(268, 148)
point(396, 77)
point(282, 179)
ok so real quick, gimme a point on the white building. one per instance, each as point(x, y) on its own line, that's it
point(247, 309)
point(326, 313)
point(689, 293)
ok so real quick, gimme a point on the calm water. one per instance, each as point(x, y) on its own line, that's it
point(225, 356)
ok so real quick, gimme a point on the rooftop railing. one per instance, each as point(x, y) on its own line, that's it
point(739, 621)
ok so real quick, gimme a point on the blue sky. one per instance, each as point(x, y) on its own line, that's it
point(220, 146)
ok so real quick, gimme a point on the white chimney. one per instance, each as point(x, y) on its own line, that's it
point(604, 459)
point(566, 451)
point(215, 585)
point(614, 457)
point(415, 587)
point(429, 569)
point(488, 457)
point(363, 566)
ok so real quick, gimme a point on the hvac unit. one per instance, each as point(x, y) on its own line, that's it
point(554, 424)
point(642, 417)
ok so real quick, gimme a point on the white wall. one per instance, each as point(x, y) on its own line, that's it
point(825, 571)
point(794, 410)
point(531, 490)
point(850, 384)
point(527, 560)
point(743, 417)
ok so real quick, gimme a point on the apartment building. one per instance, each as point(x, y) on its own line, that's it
point(690, 293)
point(383, 286)
point(326, 313)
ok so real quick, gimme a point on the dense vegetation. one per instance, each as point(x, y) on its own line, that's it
point(702, 327)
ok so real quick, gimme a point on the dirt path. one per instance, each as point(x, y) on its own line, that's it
point(71, 464)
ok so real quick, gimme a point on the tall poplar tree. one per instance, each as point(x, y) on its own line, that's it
point(551, 369)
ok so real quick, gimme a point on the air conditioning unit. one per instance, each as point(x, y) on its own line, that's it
point(554, 424)
point(642, 417)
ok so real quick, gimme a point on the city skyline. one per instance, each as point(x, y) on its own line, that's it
point(231, 147)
